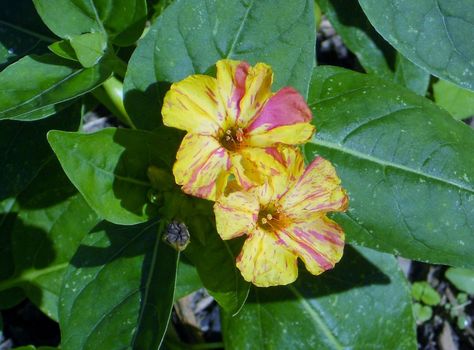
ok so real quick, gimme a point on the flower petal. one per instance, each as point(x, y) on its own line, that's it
point(236, 214)
point(266, 261)
point(285, 118)
point(317, 190)
point(319, 242)
point(258, 89)
point(194, 105)
point(231, 76)
point(202, 166)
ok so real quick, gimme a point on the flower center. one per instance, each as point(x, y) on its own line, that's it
point(232, 139)
point(271, 218)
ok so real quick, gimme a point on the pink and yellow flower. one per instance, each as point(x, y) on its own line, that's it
point(285, 219)
point(234, 124)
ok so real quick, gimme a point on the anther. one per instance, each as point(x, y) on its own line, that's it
point(264, 221)
point(269, 216)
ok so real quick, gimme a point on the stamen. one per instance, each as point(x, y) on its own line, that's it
point(264, 221)
point(269, 216)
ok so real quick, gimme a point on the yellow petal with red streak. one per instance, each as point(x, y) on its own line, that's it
point(265, 261)
point(202, 166)
point(317, 190)
point(236, 214)
point(194, 105)
point(318, 241)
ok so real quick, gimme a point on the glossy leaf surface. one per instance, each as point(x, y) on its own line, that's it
point(122, 21)
point(436, 35)
point(35, 87)
point(406, 164)
point(191, 35)
point(457, 101)
point(128, 273)
point(114, 181)
point(362, 303)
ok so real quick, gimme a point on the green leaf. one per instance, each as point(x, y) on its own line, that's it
point(422, 291)
point(411, 76)
point(395, 153)
point(114, 180)
point(21, 31)
point(372, 51)
point(188, 280)
point(24, 149)
point(128, 275)
point(63, 49)
point(215, 263)
point(191, 35)
point(462, 279)
point(457, 101)
point(32, 347)
point(36, 86)
point(121, 20)
point(436, 35)
point(362, 303)
point(422, 313)
point(49, 220)
point(89, 48)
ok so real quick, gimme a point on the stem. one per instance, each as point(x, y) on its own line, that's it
point(110, 94)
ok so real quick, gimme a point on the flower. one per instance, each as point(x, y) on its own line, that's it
point(234, 123)
point(285, 219)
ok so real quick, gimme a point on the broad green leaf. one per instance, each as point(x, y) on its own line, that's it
point(24, 149)
point(128, 275)
point(422, 312)
point(457, 101)
point(109, 168)
point(21, 31)
point(372, 51)
point(411, 76)
point(49, 220)
point(364, 303)
point(463, 279)
point(35, 87)
point(121, 20)
point(215, 263)
point(406, 164)
point(89, 48)
point(188, 280)
point(63, 49)
point(436, 35)
point(191, 35)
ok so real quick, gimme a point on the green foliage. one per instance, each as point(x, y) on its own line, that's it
point(462, 279)
point(395, 152)
point(436, 35)
point(82, 238)
point(457, 101)
point(347, 307)
point(180, 43)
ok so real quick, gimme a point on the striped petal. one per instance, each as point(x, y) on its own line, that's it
point(318, 241)
point(202, 166)
point(236, 214)
point(258, 89)
point(266, 261)
point(231, 76)
point(285, 118)
point(193, 104)
point(317, 190)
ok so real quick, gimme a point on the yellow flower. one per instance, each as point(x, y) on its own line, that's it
point(234, 123)
point(285, 219)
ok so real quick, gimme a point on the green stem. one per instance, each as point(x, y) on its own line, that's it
point(110, 94)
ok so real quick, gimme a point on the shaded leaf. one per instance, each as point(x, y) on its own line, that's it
point(406, 164)
point(462, 279)
point(457, 101)
point(114, 181)
point(35, 87)
point(128, 274)
point(436, 35)
point(21, 31)
point(122, 21)
point(89, 48)
point(190, 36)
point(372, 51)
point(362, 303)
